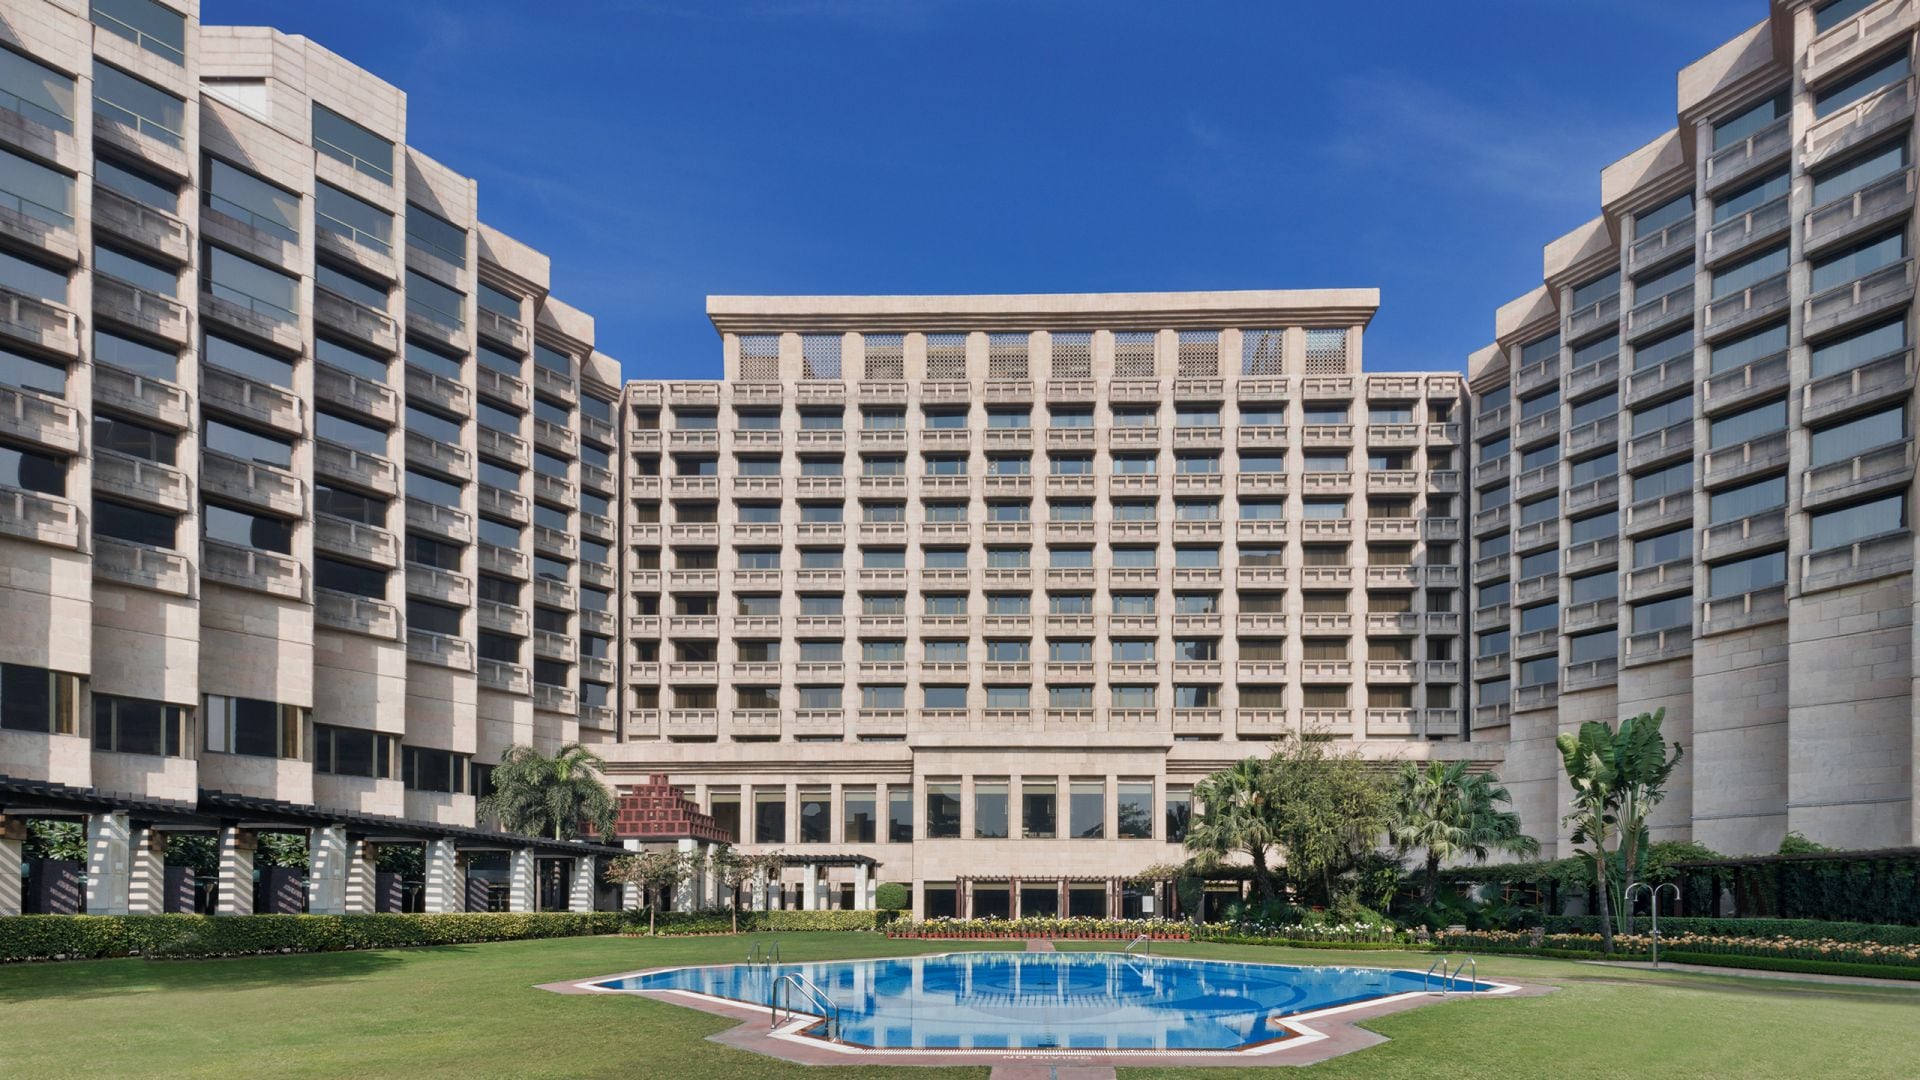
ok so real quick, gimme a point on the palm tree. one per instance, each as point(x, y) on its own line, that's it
point(1590, 770)
point(1449, 813)
point(538, 795)
point(1236, 815)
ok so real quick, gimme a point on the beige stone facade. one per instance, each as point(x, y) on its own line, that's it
point(980, 586)
point(1693, 460)
point(307, 479)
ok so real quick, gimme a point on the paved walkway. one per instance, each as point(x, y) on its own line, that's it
point(1039, 945)
point(1051, 1072)
point(1753, 973)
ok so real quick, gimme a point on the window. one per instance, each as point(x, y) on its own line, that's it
point(1070, 697)
point(943, 809)
point(1134, 808)
point(1662, 548)
point(39, 700)
point(347, 142)
point(1087, 810)
point(1748, 424)
point(1668, 481)
point(1828, 16)
point(1748, 272)
point(1858, 261)
point(1133, 697)
point(1749, 197)
point(255, 728)
point(1747, 500)
point(1836, 528)
point(341, 751)
point(1178, 813)
point(1655, 417)
point(1747, 575)
point(816, 814)
point(241, 281)
point(990, 809)
point(248, 530)
point(1539, 510)
point(1038, 810)
point(859, 820)
point(946, 697)
point(1655, 353)
point(137, 726)
point(1541, 672)
point(36, 191)
point(1590, 648)
point(1595, 468)
point(265, 367)
point(1857, 436)
point(769, 815)
point(1657, 615)
point(31, 278)
point(1850, 176)
point(134, 525)
point(1539, 617)
point(35, 472)
point(1592, 587)
point(1647, 290)
point(245, 197)
point(139, 105)
point(1759, 115)
point(1847, 353)
point(1840, 95)
point(434, 301)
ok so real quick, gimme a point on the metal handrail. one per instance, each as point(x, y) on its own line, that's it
point(1143, 939)
point(815, 997)
point(770, 956)
point(1468, 964)
point(1448, 978)
point(1439, 965)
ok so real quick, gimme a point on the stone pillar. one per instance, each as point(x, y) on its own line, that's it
point(446, 884)
point(108, 838)
point(580, 896)
point(862, 887)
point(810, 887)
point(236, 872)
point(686, 893)
point(715, 887)
point(13, 836)
point(630, 898)
point(757, 900)
point(360, 882)
point(520, 880)
point(327, 870)
point(147, 872)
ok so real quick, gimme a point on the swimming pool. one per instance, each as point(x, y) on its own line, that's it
point(1052, 1001)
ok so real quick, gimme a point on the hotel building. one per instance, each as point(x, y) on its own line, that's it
point(306, 480)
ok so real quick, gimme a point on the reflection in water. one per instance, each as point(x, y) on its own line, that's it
point(1090, 1001)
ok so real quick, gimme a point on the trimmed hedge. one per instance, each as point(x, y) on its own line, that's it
point(1812, 929)
point(721, 922)
point(77, 937)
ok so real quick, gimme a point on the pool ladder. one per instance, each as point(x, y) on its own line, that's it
point(815, 997)
point(1447, 979)
point(770, 956)
point(1144, 943)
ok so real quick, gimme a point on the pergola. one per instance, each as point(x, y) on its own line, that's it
point(126, 850)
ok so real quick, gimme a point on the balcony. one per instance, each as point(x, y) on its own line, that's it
point(1592, 555)
point(1489, 473)
point(512, 391)
point(1592, 615)
point(1538, 481)
point(1657, 246)
point(1263, 437)
point(1492, 568)
point(684, 487)
point(507, 562)
point(244, 231)
point(510, 505)
point(1661, 313)
point(1530, 698)
point(1537, 588)
point(151, 231)
point(557, 490)
point(1880, 469)
point(1326, 435)
point(1749, 156)
point(1864, 560)
point(1647, 384)
point(1872, 27)
point(1602, 373)
point(1658, 646)
point(1589, 675)
point(1744, 233)
point(38, 323)
point(370, 472)
point(1393, 435)
point(141, 566)
point(434, 583)
point(1492, 617)
point(39, 419)
point(252, 569)
point(356, 614)
point(1491, 520)
point(1658, 515)
point(445, 651)
point(1133, 438)
point(1887, 289)
point(351, 393)
point(262, 487)
point(237, 395)
point(554, 438)
point(1662, 579)
point(1535, 430)
point(1883, 379)
point(1395, 623)
point(1327, 721)
point(354, 321)
point(503, 330)
point(355, 540)
point(1390, 722)
point(1728, 613)
point(1852, 216)
point(447, 395)
point(1602, 314)
point(1591, 495)
point(1326, 529)
point(1859, 123)
point(445, 522)
point(1743, 535)
point(359, 250)
point(1743, 309)
point(1745, 385)
point(1537, 534)
point(142, 310)
point(503, 447)
point(1666, 444)
point(1750, 458)
point(1492, 665)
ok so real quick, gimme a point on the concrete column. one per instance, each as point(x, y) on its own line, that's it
point(520, 883)
point(13, 835)
point(862, 887)
point(446, 884)
point(236, 872)
point(360, 881)
point(147, 872)
point(580, 897)
point(810, 887)
point(757, 900)
point(327, 870)
point(108, 838)
point(685, 893)
point(630, 898)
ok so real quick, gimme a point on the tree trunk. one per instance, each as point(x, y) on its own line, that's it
point(653, 908)
point(1326, 884)
point(1606, 899)
point(1262, 880)
point(734, 903)
point(1430, 890)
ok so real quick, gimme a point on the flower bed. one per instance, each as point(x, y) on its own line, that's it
point(1697, 945)
point(1070, 929)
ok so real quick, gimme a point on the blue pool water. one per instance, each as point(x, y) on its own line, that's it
point(1091, 1001)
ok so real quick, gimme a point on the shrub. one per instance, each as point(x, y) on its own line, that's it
point(892, 896)
point(73, 937)
point(1811, 929)
point(720, 922)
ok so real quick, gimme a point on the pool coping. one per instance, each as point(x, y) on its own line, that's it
point(1315, 1036)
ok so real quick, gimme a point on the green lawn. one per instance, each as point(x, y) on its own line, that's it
point(472, 1011)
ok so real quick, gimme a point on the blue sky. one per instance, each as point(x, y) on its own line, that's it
point(662, 150)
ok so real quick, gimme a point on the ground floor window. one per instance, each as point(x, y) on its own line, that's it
point(1039, 900)
point(1089, 901)
point(941, 900)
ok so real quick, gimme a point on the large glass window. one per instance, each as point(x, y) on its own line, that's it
point(39, 700)
point(1857, 436)
point(1646, 290)
point(1747, 197)
point(1844, 93)
point(36, 91)
point(341, 751)
point(990, 809)
point(1087, 810)
point(1655, 353)
point(35, 191)
point(255, 728)
point(158, 29)
point(139, 105)
point(1749, 272)
point(1747, 500)
point(1836, 528)
point(128, 725)
point(250, 530)
point(162, 195)
point(859, 816)
point(1858, 261)
point(1662, 548)
point(31, 278)
point(1749, 120)
point(1134, 807)
point(135, 525)
point(437, 235)
point(1038, 809)
point(1179, 813)
point(1666, 414)
point(252, 286)
point(1745, 349)
point(1674, 611)
point(1747, 575)
point(437, 302)
point(943, 809)
point(245, 197)
point(427, 769)
point(1850, 176)
point(346, 215)
point(345, 141)
point(816, 816)
point(1847, 353)
point(1748, 424)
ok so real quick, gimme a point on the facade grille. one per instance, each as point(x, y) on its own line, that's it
point(886, 358)
point(1007, 356)
point(760, 357)
point(820, 356)
point(1263, 352)
point(1072, 356)
point(1133, 354)
point(1327, 352)
point(947, 357)
point(1199, 354)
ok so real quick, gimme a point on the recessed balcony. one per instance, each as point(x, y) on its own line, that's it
point(1863, 560)
point(354, 321)
point(356, 614)
point(1601, 315)
point(1743, 535)
point(447, 395)
point(1729, 464)
point(249, 233)
point(40, 324)
point(1666, 444)
point(369, 472)
point(250, 399)
point(443, 650)
point(355, 540)
point(1646, 384)
point(142, 310)
point(1535, 430)
point(1723, 614)
point(39, 419)
point(252, 483)
point(1591, 495)
point(433, 583)
point(445, 522)
point(1746, 232)
point(1590, 556)
point(1660, 313)
point(1852, 216)
point(1658, 515)
point(351, 393)
point(1592, 615)
point(1859, 123)
point(252, 569)
point(1600, 374)
point(512, 391)
point(1883, 379)
point(1738, 387)
point(1881, 469)
point(502, 330)
point(1658, 646)
point(1662, 579)
point(1326, 435)
point(1745, 308)
point(1887, 289)
point(43, 230)
point(1659, 245)
point(141, 566)
point(1745, 158)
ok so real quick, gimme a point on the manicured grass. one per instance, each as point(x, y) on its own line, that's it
point(1612, 1022)
point(473, 1011)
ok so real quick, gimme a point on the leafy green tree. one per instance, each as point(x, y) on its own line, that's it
point(892, 896)
point(1330, 810)
point(1642, 767)
point(652, 871)
point(1448, 813)
point(286, 850)
point(537, 795)
point(56, 838)
point(736, 868)
point(1236, 815)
